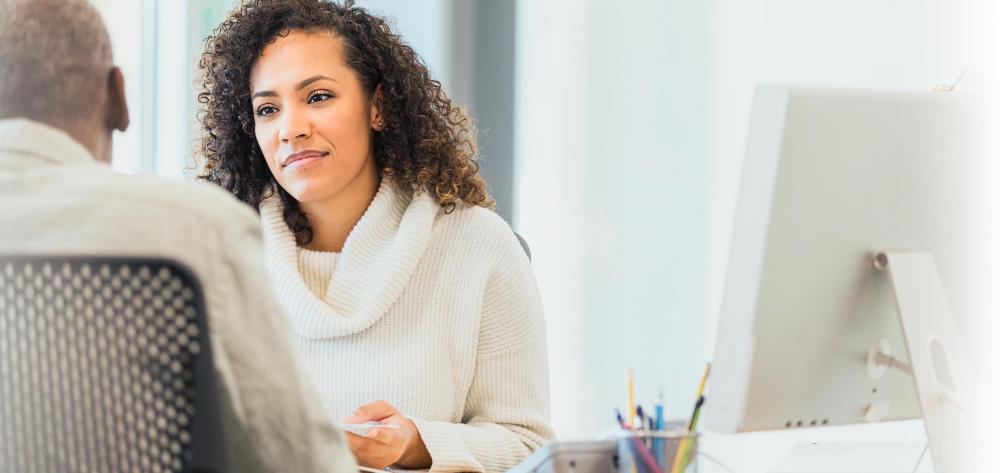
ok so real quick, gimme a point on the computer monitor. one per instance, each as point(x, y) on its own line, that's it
point(831, 179)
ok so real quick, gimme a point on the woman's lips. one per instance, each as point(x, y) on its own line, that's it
point(302, 158)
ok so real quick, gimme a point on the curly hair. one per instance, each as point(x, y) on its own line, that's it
point(427, 143)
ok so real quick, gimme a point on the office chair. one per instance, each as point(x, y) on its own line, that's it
point(105, 366)
point(524, 245)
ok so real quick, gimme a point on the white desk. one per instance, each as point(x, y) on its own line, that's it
point(762, 452)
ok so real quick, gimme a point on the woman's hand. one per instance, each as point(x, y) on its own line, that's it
point(400, 446)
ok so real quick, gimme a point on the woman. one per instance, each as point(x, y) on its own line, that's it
point(400, 282)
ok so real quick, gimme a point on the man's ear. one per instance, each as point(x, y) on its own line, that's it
point(117, 118)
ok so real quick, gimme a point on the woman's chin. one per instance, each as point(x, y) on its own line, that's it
point(313, 192)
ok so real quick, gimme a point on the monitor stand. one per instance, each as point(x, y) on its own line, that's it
point(939, 366)
point(941, 371)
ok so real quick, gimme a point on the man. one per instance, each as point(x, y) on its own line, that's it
point(61, 98)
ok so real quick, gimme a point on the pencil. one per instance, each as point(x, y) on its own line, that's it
point(704, 379)
point(683, 447)
point(631, 400)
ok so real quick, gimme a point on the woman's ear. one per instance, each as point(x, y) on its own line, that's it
point(378, 121)
point(117, 111)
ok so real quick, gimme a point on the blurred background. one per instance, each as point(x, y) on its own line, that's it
point(612, 136)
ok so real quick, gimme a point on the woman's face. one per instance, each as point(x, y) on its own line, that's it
point(312, 118)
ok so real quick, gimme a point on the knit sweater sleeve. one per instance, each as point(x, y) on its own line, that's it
point(506, 414)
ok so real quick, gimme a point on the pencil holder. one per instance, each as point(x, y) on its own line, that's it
point(657, 451)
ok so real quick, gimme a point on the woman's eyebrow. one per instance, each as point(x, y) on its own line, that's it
point(299, 86)
point(305, 83)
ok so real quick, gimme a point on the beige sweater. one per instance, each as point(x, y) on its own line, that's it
point(436, 313)
point(54, 198)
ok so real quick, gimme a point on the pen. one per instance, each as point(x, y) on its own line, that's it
point(639, 446)
point(621, 421)
point(659, 411)
point(651, 441)
point(659, 442)
point(697, 413)
point(625, 427)
point(642, 424)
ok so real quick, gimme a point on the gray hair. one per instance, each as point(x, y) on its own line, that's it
point(55, 59)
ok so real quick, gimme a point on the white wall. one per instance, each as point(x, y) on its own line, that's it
point(124, 21)
point(424, 26)
point(157, 44)
point(549, 119)
point(610, 182)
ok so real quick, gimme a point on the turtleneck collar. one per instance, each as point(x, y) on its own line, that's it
point(377, 260)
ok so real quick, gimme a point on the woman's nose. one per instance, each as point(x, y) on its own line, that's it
point(295, 127)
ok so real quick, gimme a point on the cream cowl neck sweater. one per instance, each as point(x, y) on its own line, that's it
point(438, 314)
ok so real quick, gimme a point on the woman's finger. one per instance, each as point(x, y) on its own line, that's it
point(384, 436)
point(375, 411)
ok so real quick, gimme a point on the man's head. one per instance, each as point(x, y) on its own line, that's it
point(56, 68)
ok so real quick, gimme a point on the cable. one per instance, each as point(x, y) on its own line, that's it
point(921, 457)
point(715, 460)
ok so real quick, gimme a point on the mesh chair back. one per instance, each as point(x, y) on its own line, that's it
point(524, 245)
point(105, 366)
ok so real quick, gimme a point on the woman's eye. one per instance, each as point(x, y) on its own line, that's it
point(265, 110)
point(319, 97)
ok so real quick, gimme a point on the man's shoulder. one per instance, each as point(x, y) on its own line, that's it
point(197, 200)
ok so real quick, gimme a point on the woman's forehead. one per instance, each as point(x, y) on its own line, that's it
point(299, 55)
